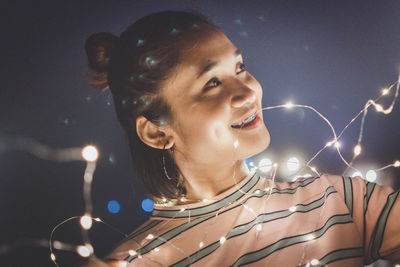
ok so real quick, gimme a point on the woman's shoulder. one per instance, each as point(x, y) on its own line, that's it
point(131, 243)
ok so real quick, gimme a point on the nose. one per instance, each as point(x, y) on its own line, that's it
point(243, 95)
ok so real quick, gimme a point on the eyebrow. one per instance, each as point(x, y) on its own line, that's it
point(212, 64)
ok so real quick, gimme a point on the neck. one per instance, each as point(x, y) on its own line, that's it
point(205, 182)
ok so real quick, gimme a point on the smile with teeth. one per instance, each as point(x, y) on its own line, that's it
point(244, 122)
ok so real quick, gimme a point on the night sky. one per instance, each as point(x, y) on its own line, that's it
point(333, 55)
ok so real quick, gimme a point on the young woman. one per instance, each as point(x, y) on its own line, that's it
point(192, 114)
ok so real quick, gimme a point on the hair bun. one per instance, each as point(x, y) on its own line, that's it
point(99, 48)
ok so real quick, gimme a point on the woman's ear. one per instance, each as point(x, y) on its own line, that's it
point(152, 134)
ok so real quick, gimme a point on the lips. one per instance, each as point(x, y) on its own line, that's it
point(245, 120)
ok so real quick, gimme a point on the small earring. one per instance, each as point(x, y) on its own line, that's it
point(163, 159)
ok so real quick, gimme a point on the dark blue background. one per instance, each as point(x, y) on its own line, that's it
point(331, 54)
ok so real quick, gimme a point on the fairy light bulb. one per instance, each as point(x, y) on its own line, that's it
point(222, 240)
point(201, 244)
point(378, 108)
point(85, 251)
point(314, 262)
point(90, 153)
point(396, 164)
point(156, 249)
point(357, 150)
point(292, 209)
point(122, 264)
point(182, 209)
point(259, 227)
point(86, 222)
point(53, 257)
point(132, 252)
point(337, 144)
point(385, 91)
point(149, 236)
point(289, 105)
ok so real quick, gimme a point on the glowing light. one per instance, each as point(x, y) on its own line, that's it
point(53, 257)
point(149, 236)
point(183, 199)
point(205, 200)
point(337, 144)
point(97, 219)
point(310, 237)
point(357, 150)
point(201, 244)
point(397, 265)
point(113, 206)
point(182, 209)
point(385, 91)
point(314, 169)
point(148, 205)
point(236, 144)
point(85, 251)
point(90, 153)
point(330, 143)
point(275, 165)
point(156, 249)
point(259, 227)
point(292, 209)
point(132, 252)
point(122, 264)
point(292, 164)
point(222, 240)
point(86, 222)
point(396, 164)
point(289, 105)
point(314, 262)
point(357, 173)
point(251, 164)
point(378, 108)
point(164, 199)
point(265, 165)
point(370, 176)
point(308, 264)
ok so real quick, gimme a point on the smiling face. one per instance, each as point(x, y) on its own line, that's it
point(211, 94)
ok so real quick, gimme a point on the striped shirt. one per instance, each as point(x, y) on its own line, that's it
point(328, 220)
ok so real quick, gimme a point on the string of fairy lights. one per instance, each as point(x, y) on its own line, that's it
point(90, 155)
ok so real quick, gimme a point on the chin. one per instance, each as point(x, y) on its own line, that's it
point(257, 145)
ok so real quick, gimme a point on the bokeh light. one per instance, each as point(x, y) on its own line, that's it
point(265, 165)
point(371, 176)
point(293, 164)
point(90, 153)
point(113, 206)
point(148, 205)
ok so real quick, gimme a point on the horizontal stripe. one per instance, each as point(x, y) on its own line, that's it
point(178, 213)
point(381, 224)
point(165, 237)
point(341, 254)
point(144, 229)
point(211, 207)
point(262, 218)
point(289, 241)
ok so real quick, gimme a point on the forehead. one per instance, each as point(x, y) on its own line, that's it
point(203, 45)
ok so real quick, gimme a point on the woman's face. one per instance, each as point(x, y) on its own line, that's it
point(210, 93)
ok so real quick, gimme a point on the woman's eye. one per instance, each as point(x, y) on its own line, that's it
point(242, 68)
point(214, 82)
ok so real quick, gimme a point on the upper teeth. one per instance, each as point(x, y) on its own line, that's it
point(249, 119)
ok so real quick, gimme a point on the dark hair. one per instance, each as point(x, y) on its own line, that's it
point(133, 67)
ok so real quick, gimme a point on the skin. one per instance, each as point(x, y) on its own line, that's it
point(203, 110)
